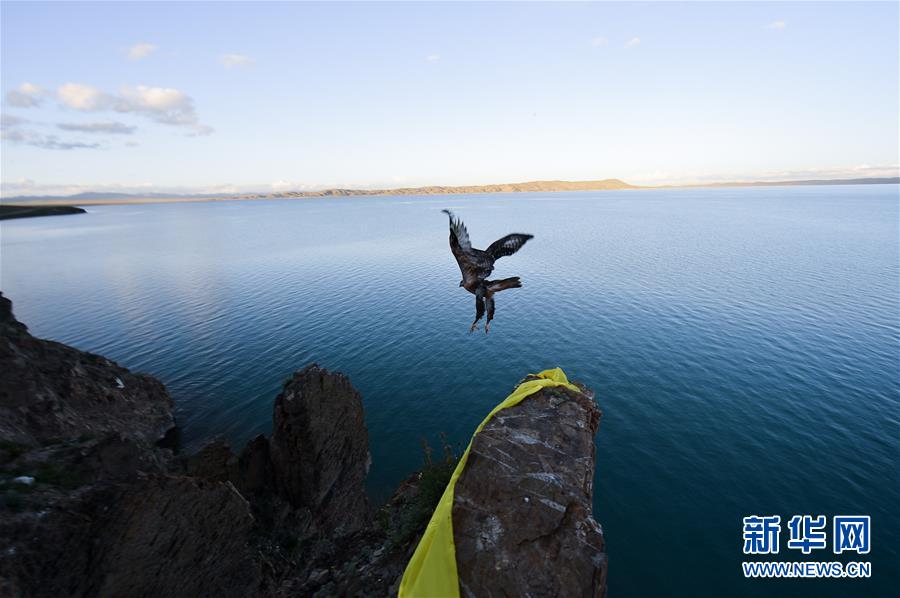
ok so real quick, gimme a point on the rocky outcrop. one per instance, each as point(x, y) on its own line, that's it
point(50, 391)
point(522, 511)
point(52, 529)
point(178, 536)
point(320, 448)
point(316, 460)
point(91, 506)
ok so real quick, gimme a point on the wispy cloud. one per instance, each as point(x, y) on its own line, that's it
point(35, 139)
point(27, 95)
point(111, 127)
point(777, 25)
point(8, 121)
point(18, 130)
point(231, 61)
point(432, 57)
point(634, 41)
point(199, 130)
point(139, 51)
point(159, 104)
point(598, 41)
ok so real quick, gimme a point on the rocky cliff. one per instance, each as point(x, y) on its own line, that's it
point(92, 505)
point(522, 512)
point(49, 390)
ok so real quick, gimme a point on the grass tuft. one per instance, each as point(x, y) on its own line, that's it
point(435, 476)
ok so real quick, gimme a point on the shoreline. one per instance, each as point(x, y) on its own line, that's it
point(70, 201)
point(11, 211)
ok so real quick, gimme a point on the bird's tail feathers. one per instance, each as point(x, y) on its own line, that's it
point(495, 286)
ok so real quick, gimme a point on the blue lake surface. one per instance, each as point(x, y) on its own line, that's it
point(743, 343)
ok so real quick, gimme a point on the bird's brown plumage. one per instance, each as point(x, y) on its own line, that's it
point(476, 265)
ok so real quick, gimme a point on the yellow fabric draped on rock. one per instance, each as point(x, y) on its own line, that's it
point(431, 572)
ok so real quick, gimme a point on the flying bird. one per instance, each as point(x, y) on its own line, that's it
point(476, 265)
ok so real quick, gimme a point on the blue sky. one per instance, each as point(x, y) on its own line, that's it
point(273, 96)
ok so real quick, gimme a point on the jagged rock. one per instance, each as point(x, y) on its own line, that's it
point(250, 472)
point(157, 536)
point(522, 512)
point(367, 563)
point(50, 391)
point(255, 467)
point(47, 548)
point(179, 536)
point(214, 461)
point(110, 514)
point(320, 448)
point(8, 320)
point(51, 533)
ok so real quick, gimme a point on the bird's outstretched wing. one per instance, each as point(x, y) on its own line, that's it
point(474, 265)
point(459, 236)
point(508, 245)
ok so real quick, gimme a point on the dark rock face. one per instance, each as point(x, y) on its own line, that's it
point(53, 529)
point(107, 512)
point(522, 512)
point(320, 448)
point(49, 391)
point(157, 536)
point(255, 467)
point(178, 536)
point(250, 472)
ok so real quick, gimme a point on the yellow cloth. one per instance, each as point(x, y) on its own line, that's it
point(431, 572)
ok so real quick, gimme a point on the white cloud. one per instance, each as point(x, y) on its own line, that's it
point(634, 41)
point(598, 41)
point(27, 95)
point(160, 104)
point(777, 25)
point(236, 60)
point(111, 127)
point(432, 57)
point(83, 97)
point(138, 51)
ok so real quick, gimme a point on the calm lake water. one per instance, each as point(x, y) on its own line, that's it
point(743, 343)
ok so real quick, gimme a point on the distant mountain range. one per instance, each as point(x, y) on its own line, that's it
point(95, 198)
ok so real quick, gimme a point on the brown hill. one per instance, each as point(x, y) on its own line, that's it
point(530, 186)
